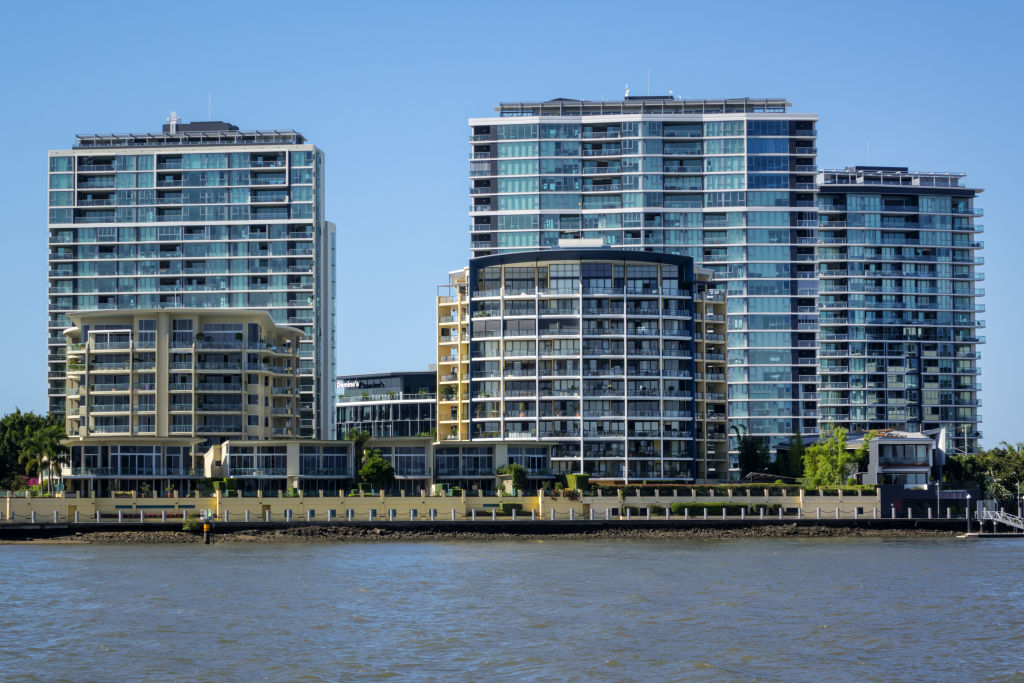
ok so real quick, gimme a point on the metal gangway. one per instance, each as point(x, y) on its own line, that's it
point(987, 510)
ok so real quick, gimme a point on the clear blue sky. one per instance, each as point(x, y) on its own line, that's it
point(385, 90)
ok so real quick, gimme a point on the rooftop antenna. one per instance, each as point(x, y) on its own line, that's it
point(627, 90)
point(173, 121)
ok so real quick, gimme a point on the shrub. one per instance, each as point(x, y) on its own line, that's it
point(192, 523)
point(577, 481)
point(507, 508)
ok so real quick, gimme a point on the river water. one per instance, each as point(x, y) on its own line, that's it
point(619, 610)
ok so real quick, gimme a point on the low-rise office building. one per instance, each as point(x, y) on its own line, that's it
point(391, 404)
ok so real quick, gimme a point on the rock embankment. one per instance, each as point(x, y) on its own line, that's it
point(339, 533)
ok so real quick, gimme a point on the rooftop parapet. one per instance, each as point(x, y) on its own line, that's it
point(890, 175)
point(651, 104)
point(191, 134)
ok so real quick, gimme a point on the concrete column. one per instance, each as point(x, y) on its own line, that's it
point(309, 516)
point(949, 513)
point(780, 512)
point(350, 514)
point(453, 514)
point(910, 513)
point(142, 516)
point(552, 515)
point(929, 512)
point(761, 511)
point(800, 512)
point(98, 517)
point(686, 513)
point(494, 514)
point(725, 513)
point(76, 517)
point(817, 513)
point(513, 514)
point(893, 508)
point(120, 516)
point(648, 509)
point(412, 515)
point(591, 514)
point(33, 516)
point(668, 512)
point(572, 514)
point(856, 515)
point(474, 514)
point(837, 512)
point(391, 515)
point(267, 517)
point(743, 513)
point(607, 514)
point(247, 516)
point(705, 513)
point(629, 513)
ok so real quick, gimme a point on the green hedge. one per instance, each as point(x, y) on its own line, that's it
point(507, 508)
point(712, 508)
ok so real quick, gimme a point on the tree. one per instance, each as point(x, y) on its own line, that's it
point(997, 471)
point(753, 455)
point(14, 427)
point(518, 473)
point(794, 464)
point(42, 451)
point(359, 439)
point(376, 470)
point(829, 463)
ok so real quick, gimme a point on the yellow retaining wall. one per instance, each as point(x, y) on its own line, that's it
point(20, 509)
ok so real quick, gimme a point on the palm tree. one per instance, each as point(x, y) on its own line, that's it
point(42, 450)
point(359, 438)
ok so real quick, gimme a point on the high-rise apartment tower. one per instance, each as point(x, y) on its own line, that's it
point(898, 300)
point(730, 183)
point(200, 215)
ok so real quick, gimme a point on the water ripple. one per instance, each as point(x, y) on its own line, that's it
point(765, 610)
